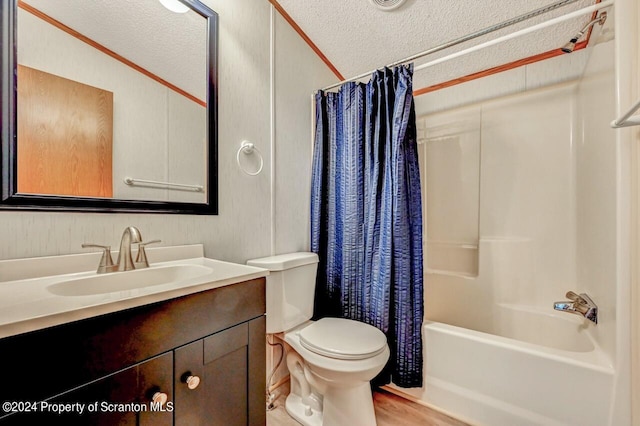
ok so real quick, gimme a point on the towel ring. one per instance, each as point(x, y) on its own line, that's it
point(248, 148)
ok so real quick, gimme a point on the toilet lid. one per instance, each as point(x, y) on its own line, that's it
point(343, 339)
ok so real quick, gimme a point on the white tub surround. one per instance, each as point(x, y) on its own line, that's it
point(42, 292)
point(547, 222)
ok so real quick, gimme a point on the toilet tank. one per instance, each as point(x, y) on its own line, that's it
point(290, 288)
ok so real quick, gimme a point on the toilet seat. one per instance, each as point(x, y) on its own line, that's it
point(343, 339)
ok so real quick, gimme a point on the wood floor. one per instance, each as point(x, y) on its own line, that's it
point(391, 410)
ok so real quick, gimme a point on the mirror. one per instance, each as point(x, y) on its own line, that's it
point(109, 106)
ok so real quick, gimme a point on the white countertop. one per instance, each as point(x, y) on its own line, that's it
point(26, 304)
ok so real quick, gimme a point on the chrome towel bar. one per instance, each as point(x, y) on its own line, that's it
point(169, 185)
point(627, 120)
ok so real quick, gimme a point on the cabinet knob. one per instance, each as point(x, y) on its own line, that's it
point(160, 398)
point(192, 381)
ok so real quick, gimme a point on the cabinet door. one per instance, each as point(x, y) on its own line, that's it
point(155, 377)
point(123, 399)
point(81, 404)
point(229, 384)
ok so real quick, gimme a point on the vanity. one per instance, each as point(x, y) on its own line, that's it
point(181, 342)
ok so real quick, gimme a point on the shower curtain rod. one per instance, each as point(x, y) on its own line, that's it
point(474, 35)
point(550, 22)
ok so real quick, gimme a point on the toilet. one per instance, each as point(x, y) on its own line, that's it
point(333, 359)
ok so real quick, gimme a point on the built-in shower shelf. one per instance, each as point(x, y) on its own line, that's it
point(452, 258)
point(459, 274)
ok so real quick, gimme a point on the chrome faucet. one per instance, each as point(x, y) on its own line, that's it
point(130, 235)
point(579, 304)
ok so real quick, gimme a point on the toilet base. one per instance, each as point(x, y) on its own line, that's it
point(341, 406)
point(352, 406)
point(300, 412)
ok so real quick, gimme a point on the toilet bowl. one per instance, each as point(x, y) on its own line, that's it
point(332, 360)
point(338, 368)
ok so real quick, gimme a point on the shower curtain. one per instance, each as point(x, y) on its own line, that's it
point(366, 215)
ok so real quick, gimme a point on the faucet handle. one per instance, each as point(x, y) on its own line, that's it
point(581, 299)
point(581, 304)
point(572, 296)
point(106, 262)
point(141, 258)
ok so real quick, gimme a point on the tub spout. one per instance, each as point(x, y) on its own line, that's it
point(579, 304)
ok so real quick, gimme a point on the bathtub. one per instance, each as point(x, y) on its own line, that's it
point(533, 367)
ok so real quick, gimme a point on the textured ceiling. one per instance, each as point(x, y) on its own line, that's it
point(170, 45)
point(353, 34)
point(357, 37)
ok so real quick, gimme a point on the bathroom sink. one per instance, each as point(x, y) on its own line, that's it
point(41, 292)
point(130, 280)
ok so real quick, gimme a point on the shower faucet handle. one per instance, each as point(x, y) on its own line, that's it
point(579, 304)
point(572, 296)
point(581, 299)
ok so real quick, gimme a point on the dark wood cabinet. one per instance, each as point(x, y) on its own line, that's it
point(125, 398)
point(113, 365)
point(225, 395)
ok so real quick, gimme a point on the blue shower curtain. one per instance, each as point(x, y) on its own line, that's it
point(366, 215)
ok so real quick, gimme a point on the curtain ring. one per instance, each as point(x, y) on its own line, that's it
point(248, 148)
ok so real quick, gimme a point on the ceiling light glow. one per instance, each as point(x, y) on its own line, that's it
point(175, 6)
point(387, 5)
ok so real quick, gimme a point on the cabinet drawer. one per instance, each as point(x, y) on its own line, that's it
point(225, 342)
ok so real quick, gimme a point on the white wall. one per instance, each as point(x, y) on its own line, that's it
point(186, 155)
point(299, 72)
point(242, 228)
